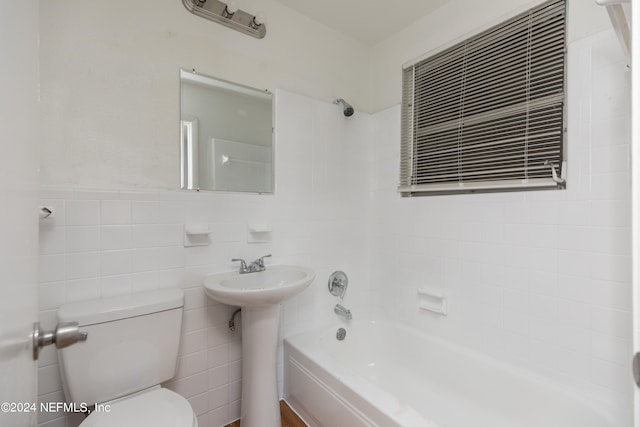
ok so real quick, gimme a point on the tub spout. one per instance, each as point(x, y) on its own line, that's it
point(342, 312)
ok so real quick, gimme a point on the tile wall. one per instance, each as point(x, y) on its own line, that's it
point(104, 242)
point(538, 279)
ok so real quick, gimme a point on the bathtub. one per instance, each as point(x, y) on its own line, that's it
point(383, 374)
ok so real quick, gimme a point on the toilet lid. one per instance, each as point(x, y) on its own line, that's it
point(159, 408)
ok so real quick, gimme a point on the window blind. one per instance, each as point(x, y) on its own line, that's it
point(487, 114)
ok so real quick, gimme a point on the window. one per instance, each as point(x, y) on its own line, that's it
point(487, 114)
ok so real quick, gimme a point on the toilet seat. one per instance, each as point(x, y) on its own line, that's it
point(158, 407)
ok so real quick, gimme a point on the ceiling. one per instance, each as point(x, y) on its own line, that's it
point(369, 21)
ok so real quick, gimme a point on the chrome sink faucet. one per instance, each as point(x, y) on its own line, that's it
point(253, 267)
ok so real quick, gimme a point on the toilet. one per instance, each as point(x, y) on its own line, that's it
point(131, 348)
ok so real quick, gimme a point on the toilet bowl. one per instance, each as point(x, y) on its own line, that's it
point(131, 348)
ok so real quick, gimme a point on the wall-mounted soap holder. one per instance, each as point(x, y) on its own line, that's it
point(196, 235)
point(433, 301)
point(259, 232)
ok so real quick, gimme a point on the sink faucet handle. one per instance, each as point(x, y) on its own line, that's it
point(260, 261)
point(243, 264)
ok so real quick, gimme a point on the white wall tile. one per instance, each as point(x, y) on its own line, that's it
point(170, 257)
point(51, 295)
point(235, 371)
point(116, 262)
point(193, 363)
point(218, 397)
point(147, 236)
point(115, 212)
point(195, 341)
point(613, 322)
point(83, 212)
point(610, 349)
point(615, 268)
point(573, 337)
point(218, 377)
point(83, 289)
point(115, 285)
point(145, 281)
point(219, 356)
point(610, 213)
point(575, 288)
point(116, 237)
point(611, 376)
point(235, 391)
point(51, 418)
point(220, 416)
point(48, 380)
point(82, 265)
point(144, 212)
point(615, 295)
point(83, 239)
point(195, 319)
point(200, 403)
point(51, 268)
point(190, 386)
point(52, 240)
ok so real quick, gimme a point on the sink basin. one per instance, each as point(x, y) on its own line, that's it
point(272, 286)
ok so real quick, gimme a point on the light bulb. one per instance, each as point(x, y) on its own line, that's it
point(230, 9)
point(257, 21)
point(232, 6)
point(259, 18)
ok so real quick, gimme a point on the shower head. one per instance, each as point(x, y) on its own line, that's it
point(347, 108)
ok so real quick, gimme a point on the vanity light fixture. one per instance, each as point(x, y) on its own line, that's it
point(229, 15)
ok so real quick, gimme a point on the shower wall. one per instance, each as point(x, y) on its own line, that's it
point(540, 279)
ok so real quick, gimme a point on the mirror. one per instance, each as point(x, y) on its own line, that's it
point(226, 135)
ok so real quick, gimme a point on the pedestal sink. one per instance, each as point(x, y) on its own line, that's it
point(259, 294)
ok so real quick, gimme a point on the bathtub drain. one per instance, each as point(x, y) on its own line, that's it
point(341, 334)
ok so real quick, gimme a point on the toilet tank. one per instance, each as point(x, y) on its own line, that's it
point(132, 344)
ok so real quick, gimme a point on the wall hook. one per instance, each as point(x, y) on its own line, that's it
point(45, 212)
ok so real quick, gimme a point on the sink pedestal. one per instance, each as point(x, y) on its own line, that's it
point(260, 405)
point(260, 295)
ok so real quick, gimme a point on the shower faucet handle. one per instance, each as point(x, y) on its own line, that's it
point(338, 282)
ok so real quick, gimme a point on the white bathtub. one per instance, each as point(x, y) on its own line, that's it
point(383, 374)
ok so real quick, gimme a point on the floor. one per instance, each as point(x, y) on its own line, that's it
point(289, 418)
